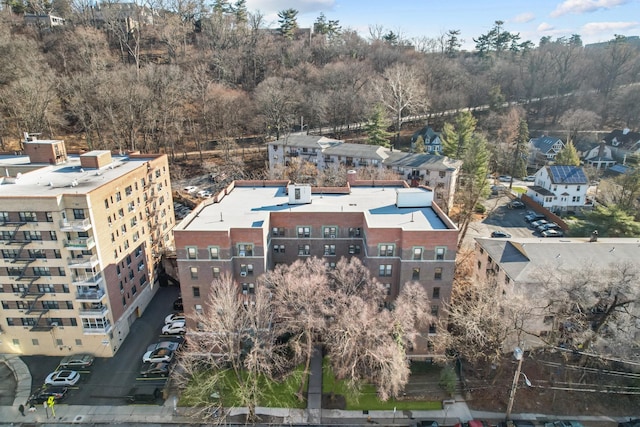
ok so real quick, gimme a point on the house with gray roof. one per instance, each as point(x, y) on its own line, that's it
point(561, 189)
point(543, 150)
point(600, 157)
point(623, 143)
point(437, 172)
point(430, 138)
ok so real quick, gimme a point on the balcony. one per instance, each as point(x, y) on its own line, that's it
point(82, 262)
point(97, 331)
point(86, 279)
point(92, 295)
point(80, 244)
point(78, 225)
point(94, 312)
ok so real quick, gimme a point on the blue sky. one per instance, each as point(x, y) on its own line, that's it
point(594, 20)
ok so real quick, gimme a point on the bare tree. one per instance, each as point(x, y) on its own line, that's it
point(234, 346)
point(575, 121)
point(400, 91)
point(277, 100)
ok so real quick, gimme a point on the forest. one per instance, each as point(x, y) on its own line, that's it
point(177, 76)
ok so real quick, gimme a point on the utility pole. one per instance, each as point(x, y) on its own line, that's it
point(519, 356)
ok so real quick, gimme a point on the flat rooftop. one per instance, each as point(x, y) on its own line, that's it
point(246, 207)
point(41, 180)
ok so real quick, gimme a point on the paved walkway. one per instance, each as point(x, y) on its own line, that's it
point(314, 391)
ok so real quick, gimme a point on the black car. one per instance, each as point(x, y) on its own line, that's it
point(59, 393)
point(630, 423)
point(177, 304)
point(516, 204)
point(143, 395)
point(500, 234)
point(533, 216)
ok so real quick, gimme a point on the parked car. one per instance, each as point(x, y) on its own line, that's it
point(552, 233)
point(630, 423)
point(504, 178)
point(530, 178)
point(538, 223)
point(563, 423)
point(43, 394)
point(500, 233)
point(82, 361)
point(158, 355)
point(157, 369)
point(474, 423)
point(143, 395)
point(516, 204)
point(190, 189)
point(516, 423)
point(177, 304)
point(169, 345)
point(173, 317)
point(204, 194)
point(427, 423)
point(175, 328)
point(64, 377)
point(496, 189)
point(533, 216)
point(548, 226)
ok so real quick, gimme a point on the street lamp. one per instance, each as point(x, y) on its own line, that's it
point(518, 354)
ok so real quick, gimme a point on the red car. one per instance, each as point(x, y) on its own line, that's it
point(473, 423)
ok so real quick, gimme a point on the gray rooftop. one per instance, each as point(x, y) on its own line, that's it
point(524, 259)
point(302, 140)
point(247, 207)
point(422, 161)
point(19, 178)
point(544, 143)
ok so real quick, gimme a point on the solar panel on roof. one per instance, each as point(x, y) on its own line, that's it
point(568, 175)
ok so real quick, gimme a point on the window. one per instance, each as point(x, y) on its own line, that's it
point(415, 275)
point(277, 231)
point(278, 248)
point(436, 293)
point(432, 328)
point(121, 213)
point(297, 194)
point(138, 251)
point(106, 203)
point(131, 206)
point(128, 260)
point(56, 253)
point(194, 272)
point(437, 275)
point(52, 235)
point(354, 249)
point(245, 250)
point(78, 213)
point(387, 288)
point(140, 265)
point(49, 216)
point(354, 232)
point(41, 271)
point(216, 272)
point(4, 216)
point(506, 280)
point(442, 174)
point(385, 270)
point(440, 251)
point(330, 232)
point(304, 231)
point(304, 250)
point(192, 252)
point(386, 250)
point(52, 305)
point(329, 249)
point(36, 253)
point(143, 280)
point(128, 190)
point(214, 252)
point(417, 253)
point(32, 235)
point(434, 310)
point(28, 217)
point(34, 341)
point(196, 291)
point(118, 196)
point(575, 199)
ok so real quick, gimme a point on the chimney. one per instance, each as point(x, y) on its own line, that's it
point(625, 131)
point(352, 175)
point(601, 150)
point(594, 236)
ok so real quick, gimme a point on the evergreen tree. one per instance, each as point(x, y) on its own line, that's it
point(519, 167)
point(609, 221)
point(240, 11)
point(455, 137)
point(453, 43)
point(329, 28)
point(288, 22)
point(568, 156)
point(376, 128)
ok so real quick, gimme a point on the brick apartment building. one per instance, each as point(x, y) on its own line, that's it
point(80, 237)
point(247, 229)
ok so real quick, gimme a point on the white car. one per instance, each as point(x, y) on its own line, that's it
point(191, 189)
point(175, 328)
point(173, 318)
point(158, 355)
point(64, 378)
point(204, 194)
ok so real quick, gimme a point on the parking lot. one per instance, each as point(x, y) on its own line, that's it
point(499, 217)
point(110, 379)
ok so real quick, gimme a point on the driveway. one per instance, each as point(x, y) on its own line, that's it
point(111, 378)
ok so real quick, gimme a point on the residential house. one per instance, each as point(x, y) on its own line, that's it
point(397, 231)
point(520, 265)
point(600, 157)
point(561, 189)
point(434, 171)
point(623, 143)
point(543, 150)
point(431, 139)
point(80, 245)
point(45, 20)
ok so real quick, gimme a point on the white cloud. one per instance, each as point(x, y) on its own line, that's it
point(545, 27)
point(594, 28)
point(302, 6)
point(585, 6)
point(524, 17)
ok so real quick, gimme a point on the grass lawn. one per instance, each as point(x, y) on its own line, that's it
point(276, 394)
point(519, 190)
point(368, 398)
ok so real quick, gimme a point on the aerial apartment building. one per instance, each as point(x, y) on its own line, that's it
point(251, 226)
point(80, 240)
